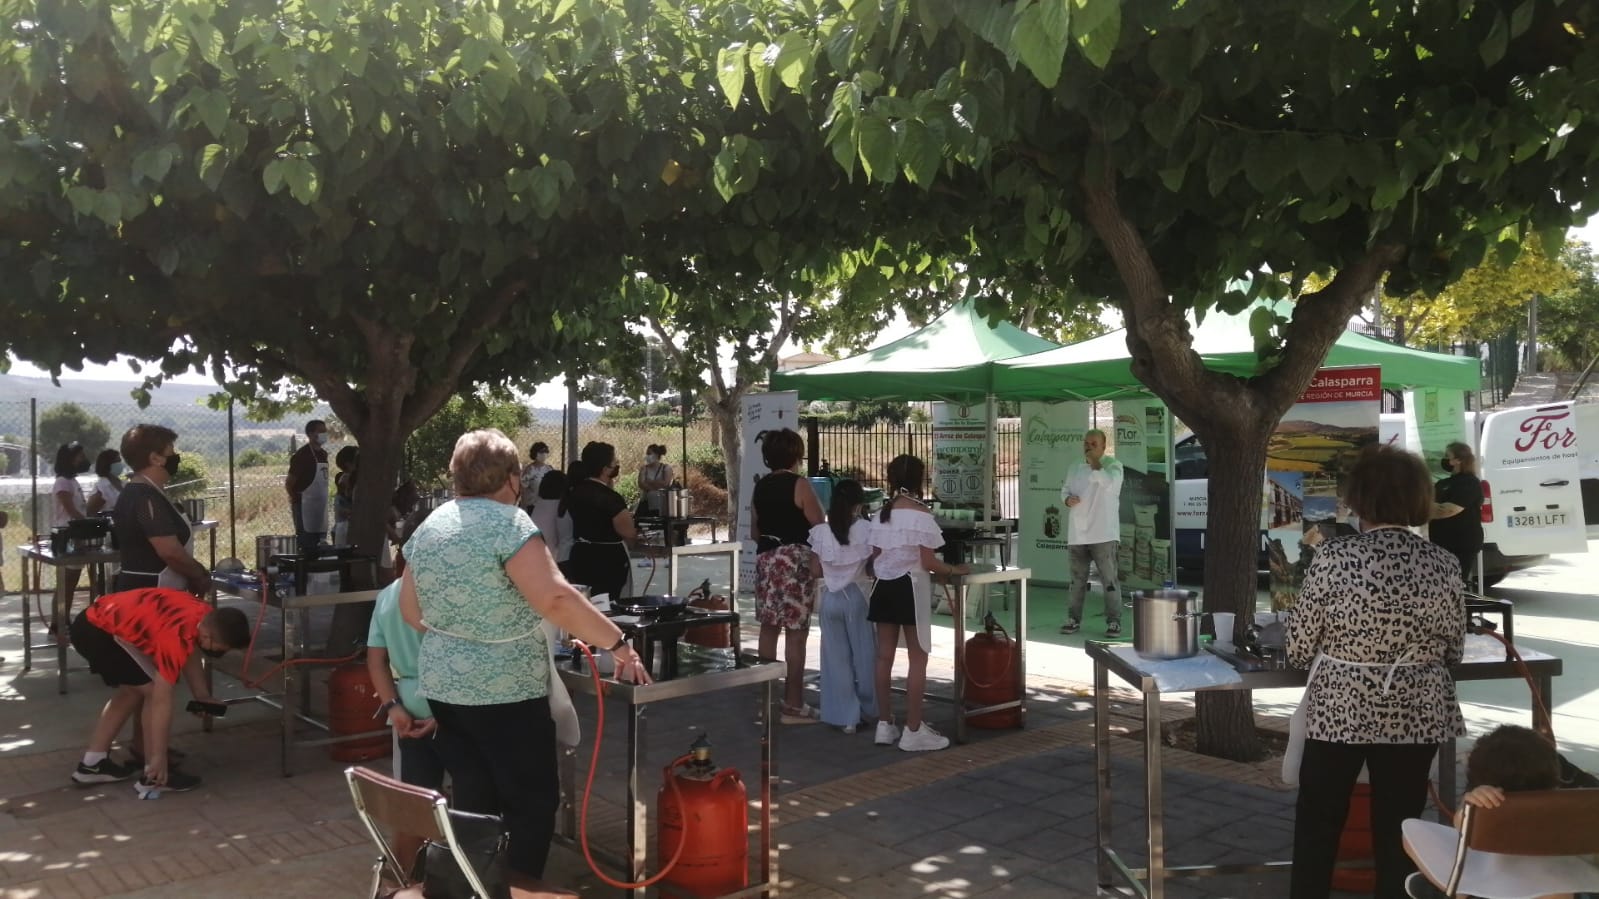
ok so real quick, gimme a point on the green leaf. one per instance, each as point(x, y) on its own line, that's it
point(1097, 24)
point(794, 60)
point(1498, 40)
point(1055, 16)
point(919, 153)
point(545, 185)
point(82, 198)
point(561, 9)
point(1173, 177)
point(167, 67)
point(762, 58)
point(474, 54)
point(208, 39)
point(1521, 19)
point(1321, 162)
point(730, 71)
point(152, 164)
point(272, 175)
point(1039, 51)
point(212, 107)
point(874, 142)
point(213, 160)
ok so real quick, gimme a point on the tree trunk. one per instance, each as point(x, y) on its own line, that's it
point(1237, 454)
point(724, 415)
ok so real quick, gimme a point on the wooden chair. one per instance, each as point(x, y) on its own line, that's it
point(1531, 846)
point(383, 802)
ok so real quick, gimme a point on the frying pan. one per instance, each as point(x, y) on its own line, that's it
point(659, 606)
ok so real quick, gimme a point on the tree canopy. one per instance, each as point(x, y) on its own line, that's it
point(65, 422)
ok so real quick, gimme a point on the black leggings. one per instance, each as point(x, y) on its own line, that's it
point(502, 758)
point(1327, 772)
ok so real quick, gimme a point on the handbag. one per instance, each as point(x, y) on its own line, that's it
point(484, 842)
point(1298, 727)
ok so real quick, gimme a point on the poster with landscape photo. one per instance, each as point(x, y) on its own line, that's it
point(1307, 459)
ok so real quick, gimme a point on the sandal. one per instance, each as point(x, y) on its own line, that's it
point(805, 714)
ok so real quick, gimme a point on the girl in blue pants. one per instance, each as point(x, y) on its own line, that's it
point(849, 642)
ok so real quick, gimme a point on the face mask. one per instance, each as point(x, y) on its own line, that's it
point(616, 469)
point(1447, 465)
point(540, 457)
point(118, 469)
point(214, 653)
point(172, 464)
point(651, 459)
point(322, 439)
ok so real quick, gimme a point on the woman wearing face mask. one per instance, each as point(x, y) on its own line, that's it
point(1457, 509)
point(601, 525)
point(108, 465)
point(66, 504)
point(655, 476)
point(152, 532)
point(533, 473)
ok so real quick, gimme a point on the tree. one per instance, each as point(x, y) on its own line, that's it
point(67, 422)
point(636, 371)
point(1568, 319)
point(376, 203)
point(1158, 153)
point(428, 451)
point(1484, 302)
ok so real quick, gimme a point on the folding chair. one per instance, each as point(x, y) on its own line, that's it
point(384, 802)
point(1531, 846)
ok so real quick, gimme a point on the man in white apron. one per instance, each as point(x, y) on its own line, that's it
point(307, 486)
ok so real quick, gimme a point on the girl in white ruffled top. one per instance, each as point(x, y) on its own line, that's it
point(842, 547)
point(905, 536)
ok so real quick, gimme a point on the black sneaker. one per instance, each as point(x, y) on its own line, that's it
point(1113, 629)
point(177, 782)
point(1071, 626)
point(104, 771)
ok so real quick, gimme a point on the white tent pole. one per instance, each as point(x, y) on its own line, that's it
point(993, 459)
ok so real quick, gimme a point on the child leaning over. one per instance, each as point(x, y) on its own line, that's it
point(1509, 759)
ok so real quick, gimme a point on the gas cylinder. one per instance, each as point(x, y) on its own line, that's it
point(351, 701)
point(991, 676)
point(709, 810)
point(710, 636)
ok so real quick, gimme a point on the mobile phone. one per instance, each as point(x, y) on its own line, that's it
point(214, 709)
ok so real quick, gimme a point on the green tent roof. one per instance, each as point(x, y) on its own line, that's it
point(949, 359)
point(1100, 368)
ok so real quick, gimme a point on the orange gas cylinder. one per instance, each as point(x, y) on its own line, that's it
point(991, 676)
point(710, 636)
point(710, 811)
point(351, 702)
point(1354, 845)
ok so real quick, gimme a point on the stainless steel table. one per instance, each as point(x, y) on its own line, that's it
point(697, 677)
point(1484, 660)
point(984, 578)
point(97, 562)
point(295, 700)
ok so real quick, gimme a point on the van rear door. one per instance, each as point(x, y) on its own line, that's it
point(1530, 461)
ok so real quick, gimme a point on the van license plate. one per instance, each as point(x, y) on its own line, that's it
point(1540, 520)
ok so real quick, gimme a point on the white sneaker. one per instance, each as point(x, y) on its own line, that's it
point(924, 740)
point(887, 734)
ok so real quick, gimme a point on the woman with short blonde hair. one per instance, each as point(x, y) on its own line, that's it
point(481, 461)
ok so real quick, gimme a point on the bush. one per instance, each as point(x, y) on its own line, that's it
point(706, 497)
point(708, 461)
point(258, 458)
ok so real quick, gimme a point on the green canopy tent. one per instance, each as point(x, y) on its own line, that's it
point(1100, 369)
point(949, 359)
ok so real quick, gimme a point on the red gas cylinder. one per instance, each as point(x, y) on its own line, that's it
point(709, 809)
point(991, 676)
point(351, 702)
point(1354, 845)
point(710, 636)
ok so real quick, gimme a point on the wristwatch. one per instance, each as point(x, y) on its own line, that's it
point(383, 710)
point(619, 644)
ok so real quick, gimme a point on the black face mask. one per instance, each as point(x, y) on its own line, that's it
point(214, 653)
point(172, 463)
point(1447, 465)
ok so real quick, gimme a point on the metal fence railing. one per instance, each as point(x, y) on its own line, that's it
point(864, 453)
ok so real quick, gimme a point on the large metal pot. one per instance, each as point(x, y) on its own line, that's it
point(1166, 623)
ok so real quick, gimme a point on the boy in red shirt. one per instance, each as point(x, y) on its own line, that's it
point(139, 642)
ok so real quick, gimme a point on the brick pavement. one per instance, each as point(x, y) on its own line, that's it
point(1009, 814)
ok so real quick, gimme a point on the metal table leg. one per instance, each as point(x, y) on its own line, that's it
point(1152, 797)
point(58, 614)
point(27, 617)
point(769, 714)
point(289, 637)
point(638, 814)
point(568, 773)
point(1102, 775)
point(1019, 642)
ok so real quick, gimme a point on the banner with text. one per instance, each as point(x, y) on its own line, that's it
point(1142, 442)
point(758, 414)
point(1307, 460)
point(1435, 419)
point(961, 447)
point(1052, 441)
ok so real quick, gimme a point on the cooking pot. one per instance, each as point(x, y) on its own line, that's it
point(674, 502)
point(1166, 623)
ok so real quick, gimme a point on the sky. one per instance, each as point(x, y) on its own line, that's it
point(548, 395)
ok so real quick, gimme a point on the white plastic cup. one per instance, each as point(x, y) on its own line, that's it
point(1224, 627)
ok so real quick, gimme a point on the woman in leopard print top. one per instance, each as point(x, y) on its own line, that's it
point(1380, 619)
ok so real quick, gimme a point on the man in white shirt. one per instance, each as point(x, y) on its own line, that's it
point(1092, 491)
